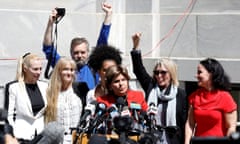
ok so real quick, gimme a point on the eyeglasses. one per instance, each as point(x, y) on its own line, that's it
point(157, 72)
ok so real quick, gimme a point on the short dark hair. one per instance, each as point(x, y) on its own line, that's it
point(77, 41)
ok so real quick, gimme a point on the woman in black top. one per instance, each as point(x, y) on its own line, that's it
point(27, 98)
point(162, 90)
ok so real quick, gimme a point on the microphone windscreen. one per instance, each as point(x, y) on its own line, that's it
point(112, 108)
point(152, 110)
point(100, 107)
point(113, 111)
point(90, 107)
point(152, 104)
point(52, 134)
point(120, 102)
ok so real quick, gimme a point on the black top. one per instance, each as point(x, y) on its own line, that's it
point(148, 84)
point(35, 97)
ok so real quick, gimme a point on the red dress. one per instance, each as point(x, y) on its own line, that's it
point(132, 96)
point(209, 108)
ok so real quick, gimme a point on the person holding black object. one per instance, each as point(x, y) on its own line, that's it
point(79, 48)
point(162, 90)
point(212, 110)
point(27, 99)
point(64, 106)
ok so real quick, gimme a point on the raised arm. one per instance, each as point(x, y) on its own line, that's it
point(105, 29)
point(107, 8)
point(47, 40)
point(138, 68)
point(48, 47)
point(136, 40)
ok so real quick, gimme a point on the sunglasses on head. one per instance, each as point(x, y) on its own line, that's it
point(157, 72)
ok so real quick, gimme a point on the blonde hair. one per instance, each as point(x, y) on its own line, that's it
point(54, 88)
point(172, 69)
point(24, 61)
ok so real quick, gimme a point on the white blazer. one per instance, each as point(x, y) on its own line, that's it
point(26, 123)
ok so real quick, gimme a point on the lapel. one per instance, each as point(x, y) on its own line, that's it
point(23, 100)
point(25, 103)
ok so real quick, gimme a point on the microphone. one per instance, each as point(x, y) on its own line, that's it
point(113, 111)
point(152, 111)
point(99, 116)
point(125, 112)
point(52, 134)
point(112, 114)
point(120, 102)
point(143, 118)
point(89, 111)
point(135, 107)
point(100, 109)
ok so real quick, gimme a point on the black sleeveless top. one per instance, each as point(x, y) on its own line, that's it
point(35, 97)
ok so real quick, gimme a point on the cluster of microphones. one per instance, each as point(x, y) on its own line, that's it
point(125, 121)
point(119, 118)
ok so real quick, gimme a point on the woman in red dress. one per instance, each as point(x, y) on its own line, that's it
point(212, 110)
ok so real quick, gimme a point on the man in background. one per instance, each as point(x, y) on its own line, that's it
point(79, 49)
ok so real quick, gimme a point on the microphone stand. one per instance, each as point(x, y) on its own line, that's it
point(122, 138)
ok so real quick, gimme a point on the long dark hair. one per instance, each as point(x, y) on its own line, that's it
point(220, 80)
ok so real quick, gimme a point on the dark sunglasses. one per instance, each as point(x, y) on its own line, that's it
point(157, 72)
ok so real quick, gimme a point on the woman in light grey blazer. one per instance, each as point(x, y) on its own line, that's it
point(27, 98)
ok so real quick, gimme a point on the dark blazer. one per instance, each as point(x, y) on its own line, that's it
point(148, 83)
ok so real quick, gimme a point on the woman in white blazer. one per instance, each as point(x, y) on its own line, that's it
point(27, 99)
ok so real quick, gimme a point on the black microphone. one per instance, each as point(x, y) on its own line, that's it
point(52, 134)
point(99, 117)
point(120, 102)
point(89, 111)
point(112, 114)
point(113, 111)
point(143, 117)
point(100, 109)
point(135, 107)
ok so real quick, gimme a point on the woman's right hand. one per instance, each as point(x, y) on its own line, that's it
point(136, 38)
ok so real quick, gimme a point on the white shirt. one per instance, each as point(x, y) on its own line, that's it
point(69, 111)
